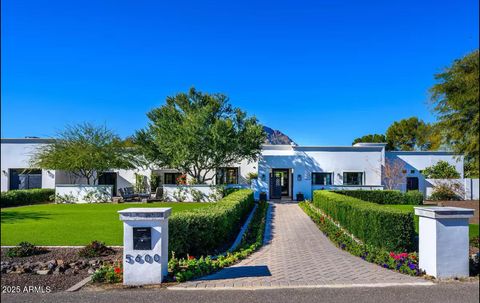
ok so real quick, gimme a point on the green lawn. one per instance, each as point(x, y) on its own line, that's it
point(71, 224)
point(473, 228)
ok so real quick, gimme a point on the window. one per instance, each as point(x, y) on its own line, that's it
point(171, 178)
point(227, 175)
point(25, 178)
point(321, 178)
point(353, 178)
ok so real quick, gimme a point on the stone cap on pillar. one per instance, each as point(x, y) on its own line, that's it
point(145, 214)
point(437, 212)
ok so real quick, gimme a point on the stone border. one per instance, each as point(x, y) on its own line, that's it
point(243, 230)
point(263, 287)
point(79, 285)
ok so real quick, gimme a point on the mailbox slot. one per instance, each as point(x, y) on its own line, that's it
point(142, 238)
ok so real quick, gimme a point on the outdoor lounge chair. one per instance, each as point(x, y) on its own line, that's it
point(128, 194)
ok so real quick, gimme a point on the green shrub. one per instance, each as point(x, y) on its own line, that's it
point(184, 269)
point(26, 196)
point(446, 192)
point(95, 249)
point(413, 197)
point(385, 196)
point(24, 249)
point(204, 231)
point(382, 227)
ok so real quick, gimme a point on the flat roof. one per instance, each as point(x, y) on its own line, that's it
point(423, 152)
point(321, 148)
point(26, 140)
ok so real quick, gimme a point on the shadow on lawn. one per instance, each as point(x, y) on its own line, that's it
point(15, 216)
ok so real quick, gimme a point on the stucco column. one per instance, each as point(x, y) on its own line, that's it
point(443, 241)
point(145, 245)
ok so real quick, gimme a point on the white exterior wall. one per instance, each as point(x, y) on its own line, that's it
point(418, 161)
point(16, 154)
point(472, 189)
point(304, 161)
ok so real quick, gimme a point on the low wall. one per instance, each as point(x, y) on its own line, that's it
point(190, 193)
point(80, 193)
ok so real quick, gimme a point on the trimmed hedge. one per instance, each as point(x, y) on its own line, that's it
point(207, 230)
point(413, 197)
point(26, 196)
point(404, 262)
point(373, 224)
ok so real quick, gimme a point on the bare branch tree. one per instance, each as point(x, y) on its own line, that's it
point(393, 173)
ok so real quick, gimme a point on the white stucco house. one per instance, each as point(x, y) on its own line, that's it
point(283, 170)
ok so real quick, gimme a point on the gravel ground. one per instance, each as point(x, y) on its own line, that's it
point(50, 282)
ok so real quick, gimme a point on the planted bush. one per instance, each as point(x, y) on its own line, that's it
point(26, 196)
point(109, 273)
point(95, 249)
point(204, 231)
point(413, 197)
point(382, 227)
point(24, 249)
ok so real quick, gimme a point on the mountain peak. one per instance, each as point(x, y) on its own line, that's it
point(276, 137)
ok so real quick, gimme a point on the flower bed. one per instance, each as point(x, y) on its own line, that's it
point(381, 226)
point(406, 263)
point(413, 197)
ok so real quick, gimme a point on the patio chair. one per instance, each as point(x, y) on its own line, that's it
point(158, 196)
point(128, 194)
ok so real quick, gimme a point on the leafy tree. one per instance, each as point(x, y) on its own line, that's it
point(455, 100)
point(410, 134)
point(84, 150)
point(371, 138)
point(441, 170)
point(198, 133)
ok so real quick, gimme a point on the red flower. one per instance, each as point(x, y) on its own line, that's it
point(117, 270)
point(191, 257)
point(392, 254)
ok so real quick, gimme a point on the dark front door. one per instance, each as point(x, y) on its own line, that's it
point(412, 183)
point(108, 179)
point(279, 183)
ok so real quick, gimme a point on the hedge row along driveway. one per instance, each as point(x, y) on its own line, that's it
point(383, 227)
point(413, 197)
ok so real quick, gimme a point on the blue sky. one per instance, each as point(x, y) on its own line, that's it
point(323, 72)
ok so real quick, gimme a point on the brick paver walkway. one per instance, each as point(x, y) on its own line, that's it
point(298, 254)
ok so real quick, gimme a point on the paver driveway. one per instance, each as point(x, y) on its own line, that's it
point(298, 254)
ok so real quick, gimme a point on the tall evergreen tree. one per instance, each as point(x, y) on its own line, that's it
point(455, 100)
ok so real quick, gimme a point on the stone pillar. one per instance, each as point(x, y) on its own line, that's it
point(443, 241)
point(145, 245)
